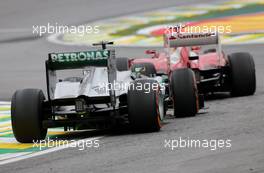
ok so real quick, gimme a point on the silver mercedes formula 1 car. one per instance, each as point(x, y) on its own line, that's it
point(101, 97)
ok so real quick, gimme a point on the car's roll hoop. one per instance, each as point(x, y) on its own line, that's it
point(103, 44)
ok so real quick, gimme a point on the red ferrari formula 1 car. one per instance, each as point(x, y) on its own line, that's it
point(190, 70)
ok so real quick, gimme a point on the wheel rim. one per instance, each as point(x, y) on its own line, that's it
point(160, 107)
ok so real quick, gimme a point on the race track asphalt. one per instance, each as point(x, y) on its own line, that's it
point(239, 119)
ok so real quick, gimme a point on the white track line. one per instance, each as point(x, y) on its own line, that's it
point(39, 153)
point(5, 103)
point(12, 155)
point(7, 140)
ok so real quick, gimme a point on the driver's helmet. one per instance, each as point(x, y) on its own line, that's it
point(175, 54)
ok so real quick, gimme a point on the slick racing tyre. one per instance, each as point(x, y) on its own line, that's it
point(147, 69)
point(122, 64)
point(27, 115)
point(184, 93)
point(242, 74)
point(145, 107)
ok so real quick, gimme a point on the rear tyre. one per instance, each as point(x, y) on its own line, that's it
point(122, 64)
point(144, 109)
point(184, 93)
point(27, 115)
point(147, 69)
point(242, 73)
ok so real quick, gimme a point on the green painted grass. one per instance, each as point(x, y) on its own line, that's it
point(253, 8)
point(33, 149)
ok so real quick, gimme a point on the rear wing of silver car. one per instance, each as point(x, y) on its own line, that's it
point(73, 60)
point(79, 60)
